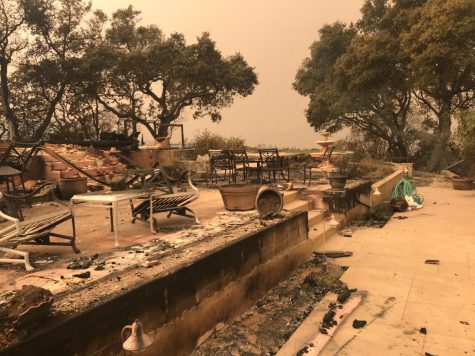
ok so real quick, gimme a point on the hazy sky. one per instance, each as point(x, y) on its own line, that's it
point(273, 36)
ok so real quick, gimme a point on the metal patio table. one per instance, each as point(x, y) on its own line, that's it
point(110, 200)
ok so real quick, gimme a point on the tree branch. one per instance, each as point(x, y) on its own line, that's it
point(426, 102)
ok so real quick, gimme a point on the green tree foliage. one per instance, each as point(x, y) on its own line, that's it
point(207, 140)
point(61, 65)
point(149, 78)
point(440, 44)
point(403, 58)
point(49, 42)
point(357, 81)
point(12, 42)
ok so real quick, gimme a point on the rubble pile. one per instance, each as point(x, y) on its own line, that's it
point(284, 307)
point(100, 164)
point(23, 310)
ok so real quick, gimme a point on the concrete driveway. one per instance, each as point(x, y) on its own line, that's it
point(404, 293)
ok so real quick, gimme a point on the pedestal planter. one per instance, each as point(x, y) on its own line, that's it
point(462, 183)
point(239, 196)
point(337, 181)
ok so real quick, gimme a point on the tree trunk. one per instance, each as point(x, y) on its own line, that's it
point(12, 129)
point(438, 159)
point(163, 129)
point(10, 118)
point(96, 120)
point(401, 147)
point(134, 128)
point(397, 146)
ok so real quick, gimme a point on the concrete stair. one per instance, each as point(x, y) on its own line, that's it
point(320, 232)
point(316, 216)
point(291, 196)
point(298, 205)
point(295, 200)
point(318, 222)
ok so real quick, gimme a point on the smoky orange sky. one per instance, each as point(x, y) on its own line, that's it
point(273, 35)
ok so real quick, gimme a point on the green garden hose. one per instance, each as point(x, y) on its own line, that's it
point(406, 188)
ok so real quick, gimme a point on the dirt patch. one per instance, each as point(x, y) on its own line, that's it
point(424, 179)
point(264, 328)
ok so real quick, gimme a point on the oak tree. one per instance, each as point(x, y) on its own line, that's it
point(356, 79)
point(403, 58)
point(150, 79)
point(440, 43)
point(45, 41)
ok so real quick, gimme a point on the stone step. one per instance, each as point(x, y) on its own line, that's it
point(47, 158)
point(71, 173)
point(321, 232)
point(85, 163)
point(291, 196)
point(298, 205)
point(316, 216)
point(57, 166)
point(76, 156)
point(52, 175)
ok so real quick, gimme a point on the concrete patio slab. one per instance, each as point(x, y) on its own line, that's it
point(446, 345)
point(93, 236)
point(388, 263)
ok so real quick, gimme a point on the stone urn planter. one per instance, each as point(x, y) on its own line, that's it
point(239, 196)
point(462, 183)
point(337, 181)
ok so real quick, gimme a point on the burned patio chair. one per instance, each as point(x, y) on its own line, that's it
point(143, 178)
point(220, 162)
point(16, 160)
point(34, 230)
point(272, 162)
point(139, 177)
point(243, 164)
point(173, 203)
point(314, 163)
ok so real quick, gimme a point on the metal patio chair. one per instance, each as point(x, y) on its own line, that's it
point(242, 163)
point(220, 161)
point(34, 230)
point(16, 160)
point(272, 162)
point(315, 163)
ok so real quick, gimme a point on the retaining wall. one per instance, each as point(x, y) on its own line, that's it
point(183, 304)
